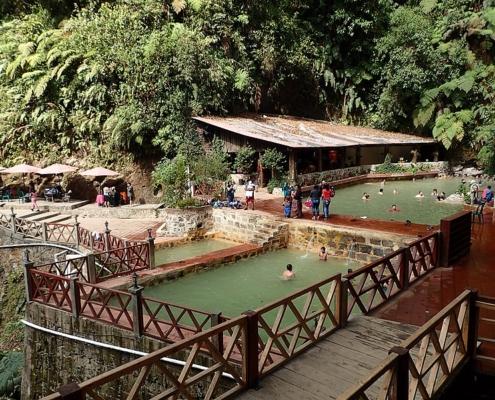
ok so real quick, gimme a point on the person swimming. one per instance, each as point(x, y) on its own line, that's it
point(420, 195)
point(394, 208)
point(380, 192)
point(434, 193)
point(396, 192)
point(288, 273)
point(441, 196)
point(366, 196)
point(323, 254)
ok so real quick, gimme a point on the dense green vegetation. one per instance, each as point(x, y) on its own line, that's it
point(100, 78)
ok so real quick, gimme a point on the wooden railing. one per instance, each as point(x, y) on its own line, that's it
point(5, 221)
point(47, 288)
point(71, 267)
point(485, 351)
point(152, 376)
point(374, 284)
point(424, 363)
point(122, 261)
point(61, 233)
point(29, 228)
point(289, 326)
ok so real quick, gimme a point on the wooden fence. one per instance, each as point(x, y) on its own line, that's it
point(374, 284)
point(419, 368)
point(427, 361)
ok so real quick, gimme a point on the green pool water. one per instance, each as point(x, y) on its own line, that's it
point(189, 250)
point(427, 210)
point(247, 284)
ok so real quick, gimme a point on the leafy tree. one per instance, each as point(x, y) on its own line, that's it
point(274, 160)
point(244, 159)
point(171, 176)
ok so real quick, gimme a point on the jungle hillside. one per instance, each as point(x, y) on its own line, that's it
point(103, 80)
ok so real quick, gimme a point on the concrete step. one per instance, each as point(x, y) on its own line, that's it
point(44, 216)
point(58, 218)
point(32, 214)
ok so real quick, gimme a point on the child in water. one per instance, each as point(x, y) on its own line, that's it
point(380, 192)
point(288, 273)
point(366, 196)
point(323, 254)
point(394, 208)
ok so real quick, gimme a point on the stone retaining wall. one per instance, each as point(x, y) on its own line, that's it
point(192, 222)
point(360, 245)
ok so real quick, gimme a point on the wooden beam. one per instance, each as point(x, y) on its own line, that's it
point(293, 165)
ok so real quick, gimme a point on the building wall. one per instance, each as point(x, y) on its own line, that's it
point(372, 155)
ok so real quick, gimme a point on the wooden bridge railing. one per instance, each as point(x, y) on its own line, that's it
point(456, 237)
point(288, 326)
point(424, 363)
point(122, 261)
point(376, 283)
point(151, 377)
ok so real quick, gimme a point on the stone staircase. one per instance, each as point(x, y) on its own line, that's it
point(46, 216)
point(271, 234)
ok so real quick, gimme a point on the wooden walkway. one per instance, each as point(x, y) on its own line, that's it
point(334, 364)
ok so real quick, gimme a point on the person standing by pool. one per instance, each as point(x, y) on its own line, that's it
point(106, 196)
point(130, 193)
point(230, 193)
point(326, 195)
point(288, 273)
point(473, 191)
point(315, 195)
point(487, 195)
point(250, 188)
point(297, 196)
point(287, 206)
point(34, 200)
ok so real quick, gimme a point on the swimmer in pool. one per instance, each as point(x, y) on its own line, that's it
point(434, 193)
point(420, 195)
point(394, 208)
point(288, 273)
point(366, 196)
point(396, 192)
point(441, 196)
point(323, 254)
point(380, 192)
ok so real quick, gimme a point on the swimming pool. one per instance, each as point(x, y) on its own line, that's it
point(190, 250)
point(428, 210)
point(248, 283)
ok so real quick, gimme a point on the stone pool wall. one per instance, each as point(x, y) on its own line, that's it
point(361, 245)
point(192, 222)
point(248, 227)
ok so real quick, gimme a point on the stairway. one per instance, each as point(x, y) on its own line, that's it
point(46, 216)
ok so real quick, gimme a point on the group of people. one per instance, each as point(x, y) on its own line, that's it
point(249, 189)
point(478, 196)
point(322, 193)
point(111, 197)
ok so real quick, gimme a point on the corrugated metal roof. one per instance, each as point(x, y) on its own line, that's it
point(306, 133)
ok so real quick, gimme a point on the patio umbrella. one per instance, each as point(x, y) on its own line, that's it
point(21, 169)
point(57, 169)
point(99, 171)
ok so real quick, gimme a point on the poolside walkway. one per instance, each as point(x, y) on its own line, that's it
point(335, 364)
point(432, 293)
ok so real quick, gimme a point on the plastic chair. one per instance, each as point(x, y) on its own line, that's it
point(6, 195)
point(21, 196)
point(479, 212)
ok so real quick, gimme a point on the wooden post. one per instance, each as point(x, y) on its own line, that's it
point(77, 238)
point(107, 237)
point(91, 268)
point(71, 391)
point(251, 355)
point(292, 166)
point(401, 388)
point(28, 283)
point(44, 231)
point(470, 330)
point(342, 299)
point(320, 160)
point(151, 248)
point(12, 219)
point(217, 340)
point(137, 308)
point(404, 272)
point(75, 297)
point(260, 172)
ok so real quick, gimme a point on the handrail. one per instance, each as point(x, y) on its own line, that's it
point(180, 384)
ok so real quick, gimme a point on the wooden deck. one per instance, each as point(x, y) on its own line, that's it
point(334, 364)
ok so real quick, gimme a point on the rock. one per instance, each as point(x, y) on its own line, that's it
point(455, 198)
point(471, 171)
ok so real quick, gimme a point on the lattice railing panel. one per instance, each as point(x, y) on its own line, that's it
point(122, 261)
point(29, 228)
point(289, 326)
point(50, 289)
point(61, 233)
point(73, 267)
point(151, 377)
point(5, 221)
point(110, 306)
point(422, 256)
point(172, 322)
point(375, 283)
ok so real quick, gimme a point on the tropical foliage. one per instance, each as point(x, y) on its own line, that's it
point(125, 76)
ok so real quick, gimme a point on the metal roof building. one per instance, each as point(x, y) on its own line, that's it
point(312, 144)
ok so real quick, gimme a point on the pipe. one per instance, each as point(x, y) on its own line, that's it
point(117, 348)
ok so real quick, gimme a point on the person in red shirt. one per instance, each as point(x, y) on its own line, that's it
point(326, 194)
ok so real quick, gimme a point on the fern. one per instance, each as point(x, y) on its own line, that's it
point(428, 5)
point(41, 85)
point(423, 115)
